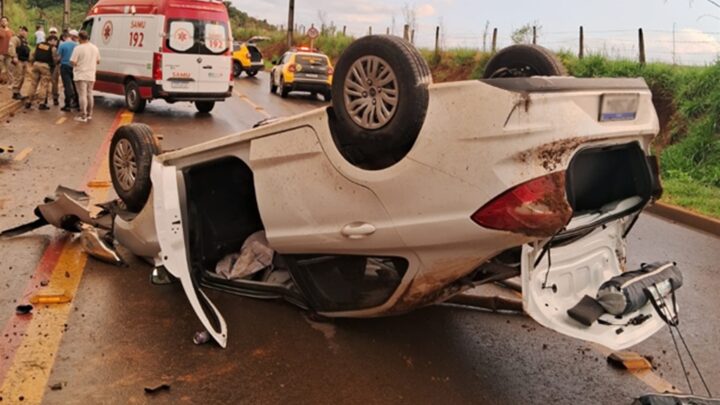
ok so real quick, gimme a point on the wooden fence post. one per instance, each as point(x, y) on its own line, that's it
point(406, 32)
point(437, 41)
point(534, 35)
point(344, 28)
point(412, 36)
point(641, 45)
point(370, 30)
point(581, 52)
point(494, 40)
point(387, 31)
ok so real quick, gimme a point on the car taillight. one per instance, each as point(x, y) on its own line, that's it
point(330, 71)
point(536, 208)
point(157, 66)
point(292, 68)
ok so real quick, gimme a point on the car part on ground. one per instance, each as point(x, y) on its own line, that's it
point(131, 152)
point(524, 61)
point(380, 99)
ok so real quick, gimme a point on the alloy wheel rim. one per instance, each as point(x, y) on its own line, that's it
point(371, 92)
point(125, 164)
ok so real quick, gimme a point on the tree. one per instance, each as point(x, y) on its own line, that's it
point(524, 34)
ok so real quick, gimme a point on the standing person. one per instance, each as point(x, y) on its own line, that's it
point(65, 50)
point(84, 59)
point(45, 58)
point(55, 77)
point(39, 35)
point(20, 52)
point(6, 74)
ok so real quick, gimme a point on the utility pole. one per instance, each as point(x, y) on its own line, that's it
point(66, 14)
point(291, 23)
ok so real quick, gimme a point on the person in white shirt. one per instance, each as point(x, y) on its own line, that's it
point(85, 58)
point(39, 35)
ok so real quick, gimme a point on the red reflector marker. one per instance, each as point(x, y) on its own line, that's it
point(157, 66)
point(536, 208)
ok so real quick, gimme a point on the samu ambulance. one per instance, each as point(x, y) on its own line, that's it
point(175, 50)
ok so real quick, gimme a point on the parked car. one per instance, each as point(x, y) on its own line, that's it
point(247, 58)
point(402, 193)
point(302, 69)
point(175, 50)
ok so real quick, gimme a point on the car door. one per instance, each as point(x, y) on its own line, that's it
point(215, 64)
point(181, 66)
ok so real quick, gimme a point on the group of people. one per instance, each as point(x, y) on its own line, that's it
point(34, 75)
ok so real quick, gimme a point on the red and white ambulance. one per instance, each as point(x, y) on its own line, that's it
point(175, 50)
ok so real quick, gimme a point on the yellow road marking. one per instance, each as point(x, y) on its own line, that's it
point(60, 120)
point(29, 373)
point(23, 154)
point(257, 108)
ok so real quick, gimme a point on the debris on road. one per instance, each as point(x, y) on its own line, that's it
point(157, 388)
point(630, 361)
point(23, 309)
point(201, 337)
point(58, 386)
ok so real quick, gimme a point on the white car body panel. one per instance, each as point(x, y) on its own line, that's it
point(577, 270)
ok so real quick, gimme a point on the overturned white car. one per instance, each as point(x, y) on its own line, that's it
point(405, 193)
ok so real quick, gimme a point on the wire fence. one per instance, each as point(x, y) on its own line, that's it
point(681, 46)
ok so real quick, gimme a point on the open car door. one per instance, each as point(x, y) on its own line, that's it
point(565, 274)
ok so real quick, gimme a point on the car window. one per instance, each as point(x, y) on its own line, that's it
point(198, 37)
point(313, 60)
point(87, 27)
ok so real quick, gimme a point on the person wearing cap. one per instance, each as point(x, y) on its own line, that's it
point(20, 52)
point(84, 59)
point(55, 77)
point(44, 61)
point(65, 51)
point(6, 74)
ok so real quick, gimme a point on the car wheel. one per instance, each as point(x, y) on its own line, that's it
point(524, 61)
point(131, 152)
point(252, 73)
point(204, 107)
point(133, 99)
point(284, 90)
point(380, 95)
point(237, 69)
point(273, 86)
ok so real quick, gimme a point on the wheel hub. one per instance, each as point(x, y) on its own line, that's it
point(125, 164)
point(371, 92)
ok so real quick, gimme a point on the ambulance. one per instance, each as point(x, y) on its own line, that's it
point(174, 50)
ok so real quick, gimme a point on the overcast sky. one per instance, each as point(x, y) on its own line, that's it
point(610, 25)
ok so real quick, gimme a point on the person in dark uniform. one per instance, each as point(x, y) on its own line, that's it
point(38, 85)
point(20, 52)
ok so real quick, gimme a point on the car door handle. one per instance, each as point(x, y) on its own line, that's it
point(357, 230)
point(207, 67)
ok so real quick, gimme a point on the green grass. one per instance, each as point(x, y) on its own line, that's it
point(691, 194)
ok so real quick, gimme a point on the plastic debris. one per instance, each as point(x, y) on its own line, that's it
point(23, 309)
point(157, 388)
point(629, 361)
point(201, 337)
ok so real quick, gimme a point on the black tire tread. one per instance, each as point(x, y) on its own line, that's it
point(553, 66)
point(145, 145)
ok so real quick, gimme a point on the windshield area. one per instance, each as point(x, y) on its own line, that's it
point(198, 36)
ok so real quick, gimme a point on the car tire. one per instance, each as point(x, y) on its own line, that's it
point(204, 107)
point(392, 128)
point(524, 61)
point(252, 73)
point(133, 100)
point(131, 152)
point(327, 95)
point(273, 86)
point(237, 69)
point(284, 90)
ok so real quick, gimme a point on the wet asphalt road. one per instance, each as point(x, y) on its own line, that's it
point(124, 334)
